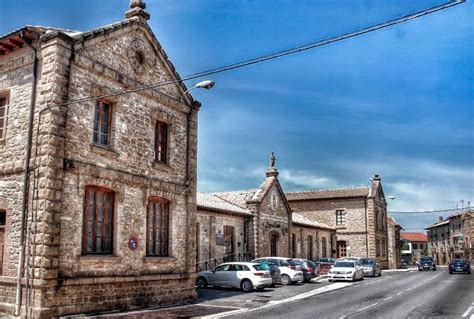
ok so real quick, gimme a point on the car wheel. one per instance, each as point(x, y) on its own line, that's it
point(353, 277)
point(419, 269)
point(373, 273)
point(285, 280)
point(434, 269)
point(201, 282)
point(246, 285)
point(380, 273)
point(450, 272)
point(330, 280)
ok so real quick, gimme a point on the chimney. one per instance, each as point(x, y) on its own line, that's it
point(137, 9)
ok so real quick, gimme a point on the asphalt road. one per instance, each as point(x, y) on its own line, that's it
point(398, 295)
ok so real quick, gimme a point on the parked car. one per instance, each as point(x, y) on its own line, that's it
point(288, 275)
point(243, 275)
point(274, 272)
point(459, 265)
point(371, 266)
point(350, 258)
point(346, 270)
point(309, 268)
point(426, 263)
point(324, 265)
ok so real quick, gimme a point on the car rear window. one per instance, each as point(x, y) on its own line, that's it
point(260, 267)
point(348, 264)
point(426, 259)
point(294, 262)
point(284, 263)
point(366, 261)
point(311, 264)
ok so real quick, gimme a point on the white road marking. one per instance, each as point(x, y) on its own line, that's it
point(370, 306)
point(274, 303)
point(468, 311)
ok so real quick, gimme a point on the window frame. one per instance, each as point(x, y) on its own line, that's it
point(98, 119)
point(161, 156)
point(3, 129)
point(85, 248)
point(340, 217)
point(165, 203)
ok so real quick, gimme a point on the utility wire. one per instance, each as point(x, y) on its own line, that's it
point(433, 211)
point(275, 55)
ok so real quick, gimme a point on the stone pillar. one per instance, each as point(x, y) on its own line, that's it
point(47, 158)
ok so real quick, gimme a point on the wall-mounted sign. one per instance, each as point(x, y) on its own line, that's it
point(133, 243)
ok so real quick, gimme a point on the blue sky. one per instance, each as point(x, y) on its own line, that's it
point(397, 102)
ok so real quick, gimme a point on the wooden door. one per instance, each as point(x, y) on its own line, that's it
point(273, 245)
point(229, 240)
point(341, 249)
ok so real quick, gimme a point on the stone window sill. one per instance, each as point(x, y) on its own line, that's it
point(151, 259)
point(100, 258)
point(341, 227)
point(161, 165)
point(103, 149)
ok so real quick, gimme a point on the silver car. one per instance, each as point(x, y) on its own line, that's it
point(243, 275)
point(371, 266)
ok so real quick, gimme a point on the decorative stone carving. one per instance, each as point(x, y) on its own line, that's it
point(140, 56)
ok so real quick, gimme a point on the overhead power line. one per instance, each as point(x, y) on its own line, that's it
point(276, 55)
point(433, 211)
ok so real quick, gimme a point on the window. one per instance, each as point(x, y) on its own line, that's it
point(309, 250)
point(3, 116)
point(161, 141)
point(323, 247)
point(340, 217)
point(157, 236)
point(415, 246)
point(98, 221)
point(102, 123)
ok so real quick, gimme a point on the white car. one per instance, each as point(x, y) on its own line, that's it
point(346, 270)
point(243, 275)
point(288, 275)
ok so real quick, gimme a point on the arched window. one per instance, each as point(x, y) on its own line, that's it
point(98, 221)
point(157, 233)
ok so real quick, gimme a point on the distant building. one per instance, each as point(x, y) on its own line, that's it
point(246, 224)
point(452, 237)
point(394, 243)
point(414, 246)
point(359, 216)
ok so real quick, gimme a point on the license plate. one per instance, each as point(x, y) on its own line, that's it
point(458, 268)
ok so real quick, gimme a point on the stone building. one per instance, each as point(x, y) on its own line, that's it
point(359, 216)
point(100, 187)
point(394, 244)
point(467, 220)
point(256, 223)
point(439, 241)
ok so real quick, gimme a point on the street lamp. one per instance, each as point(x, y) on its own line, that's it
point(206, 84)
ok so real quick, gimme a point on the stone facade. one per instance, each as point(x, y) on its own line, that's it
point(394, 244)
point(451, 238)
point(59, 277)
point(359, 216)
point(260, 223)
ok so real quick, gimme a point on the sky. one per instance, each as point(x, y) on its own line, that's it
point(398, 102)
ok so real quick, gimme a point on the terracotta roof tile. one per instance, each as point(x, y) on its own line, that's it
point(417, 237)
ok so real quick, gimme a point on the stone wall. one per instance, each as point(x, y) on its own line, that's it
point(211, 224)
point(301, 235)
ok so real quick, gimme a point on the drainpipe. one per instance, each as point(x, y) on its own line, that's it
point(366, 230)
point(26, 181)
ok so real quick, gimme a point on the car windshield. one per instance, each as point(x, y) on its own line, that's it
point(261, 267)
point(366, 261)
point(457, 260)
point(346, 264)
point(426, 259)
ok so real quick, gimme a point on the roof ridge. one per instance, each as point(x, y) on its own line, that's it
point(328, 189)
point(227, 201)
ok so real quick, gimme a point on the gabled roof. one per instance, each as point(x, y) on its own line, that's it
point(329, 193)
point(213, 201)
point(301, 220)
point(80, 36)
point(414, 237)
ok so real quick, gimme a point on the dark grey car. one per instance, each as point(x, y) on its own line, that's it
point(371, 266)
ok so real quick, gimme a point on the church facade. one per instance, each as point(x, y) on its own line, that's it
point(97, 177)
